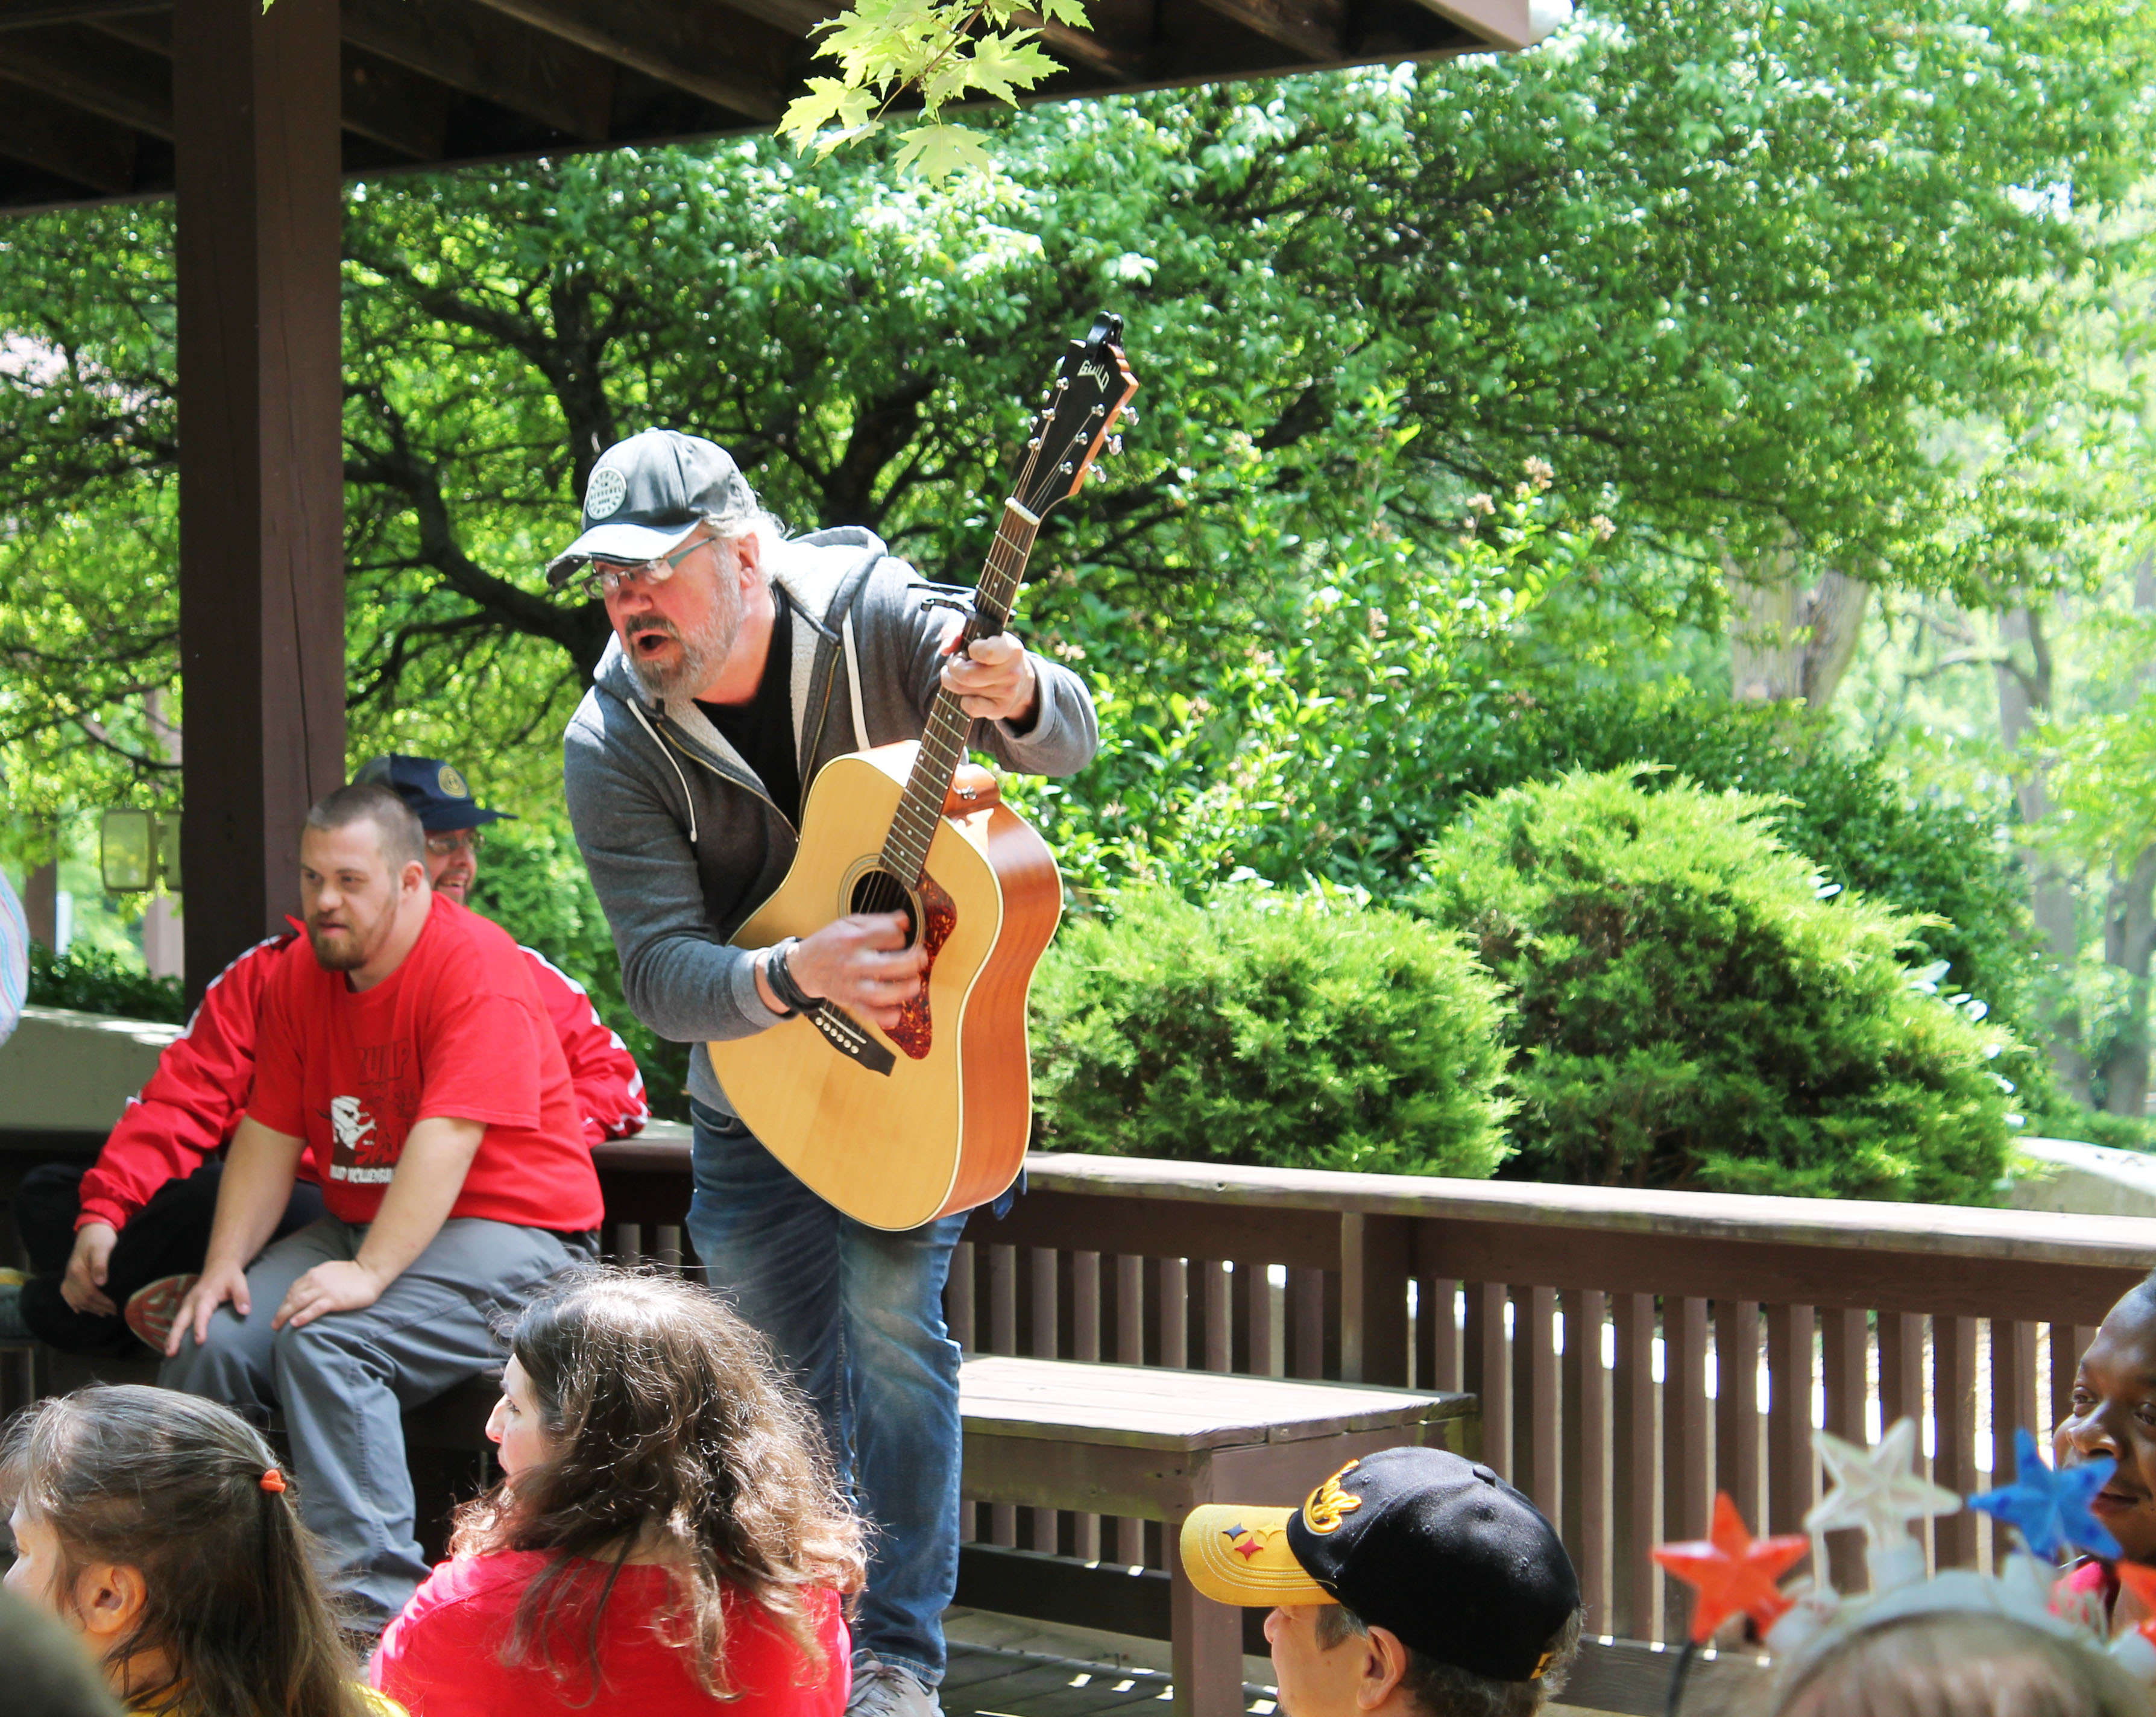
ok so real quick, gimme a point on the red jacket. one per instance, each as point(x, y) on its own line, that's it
point(194, 1100)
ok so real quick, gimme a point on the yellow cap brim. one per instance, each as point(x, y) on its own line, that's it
point(1237, 1556)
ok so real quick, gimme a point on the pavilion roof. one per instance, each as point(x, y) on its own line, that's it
point(87, 113)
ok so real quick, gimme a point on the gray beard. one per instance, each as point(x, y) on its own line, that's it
point(704, 651)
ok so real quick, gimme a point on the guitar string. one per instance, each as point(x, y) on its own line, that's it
point(904, 859)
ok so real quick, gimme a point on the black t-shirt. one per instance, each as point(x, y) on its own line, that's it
point(762, 729)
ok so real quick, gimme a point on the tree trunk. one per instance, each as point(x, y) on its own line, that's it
point(2022, 695)
point(2129, 940)
point(1787, 643)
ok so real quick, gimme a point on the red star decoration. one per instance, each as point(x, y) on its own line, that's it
point(1731, 1570)
point(1249, 1546)
point(2141, 1583)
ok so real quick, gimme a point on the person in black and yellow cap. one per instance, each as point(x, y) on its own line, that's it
point(1411, 1583)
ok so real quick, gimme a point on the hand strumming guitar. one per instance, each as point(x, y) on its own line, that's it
point(861, 962)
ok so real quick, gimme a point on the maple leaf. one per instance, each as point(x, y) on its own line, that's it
point(1000, 65)
point(935, 152)
point(830, 101)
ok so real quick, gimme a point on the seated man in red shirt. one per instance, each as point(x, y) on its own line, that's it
point(125, 1238)
point(404, 1049)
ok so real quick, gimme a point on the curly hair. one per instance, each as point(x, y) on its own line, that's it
point(170, 1485)
point(671, 1436)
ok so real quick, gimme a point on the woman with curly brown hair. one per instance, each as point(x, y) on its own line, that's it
point(668, 1532)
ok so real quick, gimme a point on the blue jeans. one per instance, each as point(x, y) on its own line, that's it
point(856, 1314)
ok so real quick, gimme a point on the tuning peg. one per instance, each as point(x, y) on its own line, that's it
point(1062, 384)
point(1067, 466)
point(1115, 443)
point(1034, 445)
point(1130, 416)
point(1098, 411)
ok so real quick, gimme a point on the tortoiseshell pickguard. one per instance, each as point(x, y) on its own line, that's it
point(915, 1031)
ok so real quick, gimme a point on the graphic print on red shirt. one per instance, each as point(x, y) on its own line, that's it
point(457, 1030)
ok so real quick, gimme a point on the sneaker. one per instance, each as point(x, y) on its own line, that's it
point(149, 1310)
point(883, 1689)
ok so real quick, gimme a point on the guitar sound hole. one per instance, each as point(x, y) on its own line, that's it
point(879, 891)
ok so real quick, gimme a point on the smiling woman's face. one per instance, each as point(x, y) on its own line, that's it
point(2114, 1413)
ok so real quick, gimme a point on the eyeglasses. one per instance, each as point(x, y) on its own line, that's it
point(602, 578)
point(462, 839)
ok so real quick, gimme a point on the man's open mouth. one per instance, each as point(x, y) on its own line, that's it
point(650, 640)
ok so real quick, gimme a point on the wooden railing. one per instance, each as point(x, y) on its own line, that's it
point(1632, 1352)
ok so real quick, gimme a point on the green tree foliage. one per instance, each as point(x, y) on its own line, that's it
point(1689, 1013)
point(1284, 1031)
point(1707, 260)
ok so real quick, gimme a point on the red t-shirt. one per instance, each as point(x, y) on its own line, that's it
point(457, 1030)
point(442, 1657)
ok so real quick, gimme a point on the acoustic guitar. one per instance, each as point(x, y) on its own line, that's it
point(897, 1128)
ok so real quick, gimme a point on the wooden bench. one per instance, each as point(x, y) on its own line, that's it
point(1149, 1444)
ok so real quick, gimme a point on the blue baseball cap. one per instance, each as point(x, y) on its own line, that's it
point(437, 792)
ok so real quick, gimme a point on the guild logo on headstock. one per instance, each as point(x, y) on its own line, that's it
point(1094, 370)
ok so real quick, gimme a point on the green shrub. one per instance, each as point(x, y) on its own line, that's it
point(1693, 1008)
point(1260, 1029)
point(93, 980)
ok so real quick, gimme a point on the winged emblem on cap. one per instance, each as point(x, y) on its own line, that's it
point(1324, 1508)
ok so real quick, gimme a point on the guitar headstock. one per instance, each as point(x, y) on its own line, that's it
point(1080, 409)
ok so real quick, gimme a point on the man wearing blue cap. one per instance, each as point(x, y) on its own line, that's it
point(116, 1247)
point(741, 664)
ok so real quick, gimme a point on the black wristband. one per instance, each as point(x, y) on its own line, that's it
point(780, 979)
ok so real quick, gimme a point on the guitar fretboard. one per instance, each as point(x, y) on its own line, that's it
point(943, 741)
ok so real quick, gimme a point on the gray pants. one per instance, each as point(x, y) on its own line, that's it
point(341, 1384)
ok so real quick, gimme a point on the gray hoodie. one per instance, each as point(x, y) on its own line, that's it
point(681, 840)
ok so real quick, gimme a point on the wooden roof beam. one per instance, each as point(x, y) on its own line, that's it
point(63, 140)
point(723, 57)
point(1315, 30)
point(471, 48)
point(89, 71)
point(1094, 50)
point(29, 15)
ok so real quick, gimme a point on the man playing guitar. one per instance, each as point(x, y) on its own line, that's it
point(741, 663)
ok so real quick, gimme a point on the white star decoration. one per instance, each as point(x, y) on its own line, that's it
point(1877, 1488)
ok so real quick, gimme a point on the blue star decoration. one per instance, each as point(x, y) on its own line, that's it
point(2050, 1510)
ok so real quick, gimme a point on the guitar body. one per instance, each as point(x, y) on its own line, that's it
point(934, 1119)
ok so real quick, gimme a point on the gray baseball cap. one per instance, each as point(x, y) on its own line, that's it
point(647, 493)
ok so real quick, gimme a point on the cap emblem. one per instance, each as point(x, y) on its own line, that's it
point(1324, 1506)
point(606, 491)
point(452, 784)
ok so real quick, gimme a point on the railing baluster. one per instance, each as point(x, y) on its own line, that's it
point(1953, 1405)
point(1736, 1402)
point(1437, 1335)
point(1633, 1573)
point(2013, 1407)
point(1306, 1301)
point(1002, 1299)
point(1219, 1294)
point(1687, 1479)
point(1789, 1471)
point(1489, 1372)
point(958, 1296)
point(1255, 1281)
point(1174, 1299)
point(1845, 1340)
point(1585, 1523)
point(1085, 1305)
point(1130, 1310)
point(1047, 1344)
point(1538, 1408)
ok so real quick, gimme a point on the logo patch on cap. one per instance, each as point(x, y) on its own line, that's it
point(1324, 1507)
point(452, 784)
point(608, 489)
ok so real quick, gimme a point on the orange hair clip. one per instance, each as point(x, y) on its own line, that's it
point(273, 1481)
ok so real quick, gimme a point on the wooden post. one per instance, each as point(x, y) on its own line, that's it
point(255, 104)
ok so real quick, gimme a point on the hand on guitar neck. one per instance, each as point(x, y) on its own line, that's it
point(861, 962)
point(994, 679)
